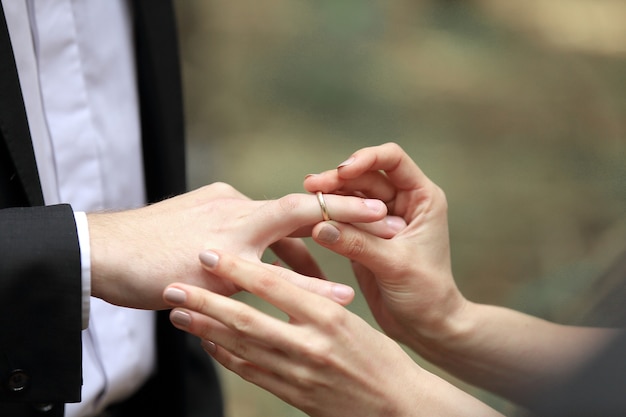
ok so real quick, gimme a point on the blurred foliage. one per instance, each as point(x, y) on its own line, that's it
point(516, 109)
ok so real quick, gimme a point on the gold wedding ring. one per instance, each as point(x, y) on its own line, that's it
point(320, 199)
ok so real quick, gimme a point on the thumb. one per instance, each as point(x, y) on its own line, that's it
point(352, 243)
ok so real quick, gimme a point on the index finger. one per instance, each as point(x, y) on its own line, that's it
point(264, 282)
point(390, 158)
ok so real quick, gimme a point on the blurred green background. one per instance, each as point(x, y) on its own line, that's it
point(515, 108)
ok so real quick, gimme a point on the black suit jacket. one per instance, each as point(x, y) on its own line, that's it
point(40, 290)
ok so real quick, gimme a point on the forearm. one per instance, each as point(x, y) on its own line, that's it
point(439, 398)
point(507, 352)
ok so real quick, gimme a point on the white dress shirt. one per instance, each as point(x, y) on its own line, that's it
point(75, 61)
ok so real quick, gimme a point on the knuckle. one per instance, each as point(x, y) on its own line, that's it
point(264, 284)
point(247, 372)
point(438, 201)
point(319, 347)
point(239, 347)
point(318, 351)
point(289, 203)
point(332, 317)
point(206, 332)
point(302, 377)
point(221, 188)
point(394, 147)
point(441, 194)
point(354, 246)
point(242, 322)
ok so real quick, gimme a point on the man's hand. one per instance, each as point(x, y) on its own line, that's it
point(135, 254)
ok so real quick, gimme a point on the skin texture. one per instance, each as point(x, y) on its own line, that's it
point(135, 254)
point(408, 283)
point(390, 270)
point(326, 361)
point(321, 359)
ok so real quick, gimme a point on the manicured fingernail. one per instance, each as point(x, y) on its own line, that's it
point(328, 234)
point(346, 162)
point(208, 346)
point(343, 292)
point(180, 318)
point(374, 205)
point(175, 296)
point(209, 258)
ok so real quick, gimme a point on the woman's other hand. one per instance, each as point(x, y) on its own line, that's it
point(323, 360)
point(406, 279)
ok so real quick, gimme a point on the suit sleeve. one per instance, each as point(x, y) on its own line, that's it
point(40, 305)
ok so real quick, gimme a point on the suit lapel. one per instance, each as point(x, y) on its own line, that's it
point(160, 92)
point(14, 126)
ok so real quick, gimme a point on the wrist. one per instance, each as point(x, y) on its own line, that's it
point(441, 398)
point(110, 252)
point(436, 337)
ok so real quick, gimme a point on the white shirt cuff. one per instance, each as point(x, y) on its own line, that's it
point(82, 228)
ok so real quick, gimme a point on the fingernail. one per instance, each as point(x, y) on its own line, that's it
point(346, 162)
point(307, 176)
point(208, 346)
point(175, 296)
point(328, 234)
point(209, 258)
point(180, 318)
point(374, 205)
point(395, 223)
point(343, 292)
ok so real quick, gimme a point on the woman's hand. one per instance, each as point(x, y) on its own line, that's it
point(406, 279)
point(324, 360)
point(408, 283)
